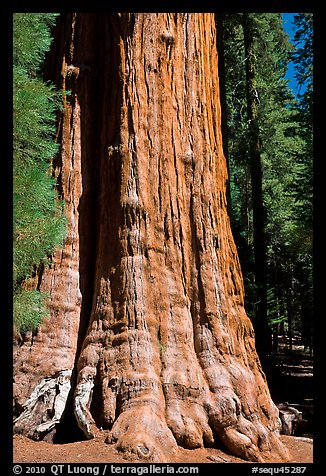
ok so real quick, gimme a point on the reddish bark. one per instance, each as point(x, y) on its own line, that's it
point(168, 357)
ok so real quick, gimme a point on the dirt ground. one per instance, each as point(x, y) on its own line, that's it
point(97, 451)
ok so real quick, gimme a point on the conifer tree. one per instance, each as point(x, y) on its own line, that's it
point(38, 219)
point(302, 189)
point(285, 180)
point(256, 172)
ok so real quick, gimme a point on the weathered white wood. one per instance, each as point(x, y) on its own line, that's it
point(288, 415)
point(45, 406)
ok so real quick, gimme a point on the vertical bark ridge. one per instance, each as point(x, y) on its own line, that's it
point(198, 375)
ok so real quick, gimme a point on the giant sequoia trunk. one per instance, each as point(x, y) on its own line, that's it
point(147, 309)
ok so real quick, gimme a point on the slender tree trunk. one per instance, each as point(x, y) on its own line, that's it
point(165, 353)
point(263, 333)
point(219, 19)
point(246, 208)
point(289, 307)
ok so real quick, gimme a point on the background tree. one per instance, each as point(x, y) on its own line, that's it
point(303, 188)
point(263, 336)
point(281, 148)
point(39, 224)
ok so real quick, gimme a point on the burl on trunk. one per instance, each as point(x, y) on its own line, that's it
point(147, 294)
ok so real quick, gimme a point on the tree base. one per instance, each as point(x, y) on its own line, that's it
point(141, 431)
point(151, 424)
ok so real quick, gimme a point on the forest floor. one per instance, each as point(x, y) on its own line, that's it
point(97, 451)
point(290, 380)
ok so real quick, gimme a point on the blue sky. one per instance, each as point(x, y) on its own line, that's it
point(288, 27)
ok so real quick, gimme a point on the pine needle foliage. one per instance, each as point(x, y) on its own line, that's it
point(38, 219)
point(285, 130)
point(29, 309)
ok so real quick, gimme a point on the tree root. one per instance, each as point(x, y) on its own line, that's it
point(142, 431)
point(147, 427)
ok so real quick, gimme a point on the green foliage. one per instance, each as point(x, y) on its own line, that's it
point(39, 222)
point(34, 105)
point(303, 54)
point(29, 309)
point(285, 131)
point(274, 315)
point(303, 58)
point(32, 39)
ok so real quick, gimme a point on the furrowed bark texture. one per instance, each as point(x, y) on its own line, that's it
point(168, 357)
